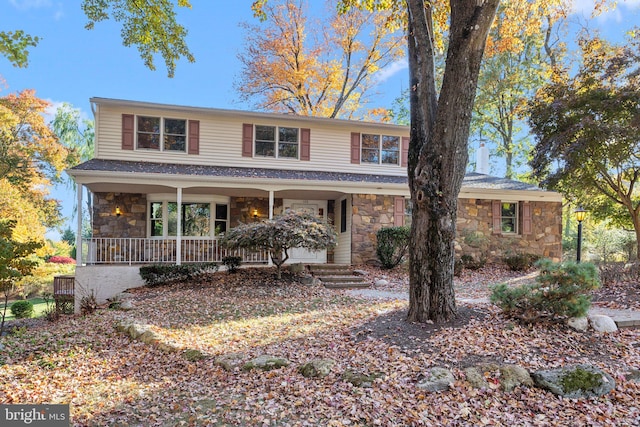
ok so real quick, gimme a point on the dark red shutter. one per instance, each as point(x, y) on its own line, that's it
point(247, 140)
point(194, 137)
point(496, 212)
point(305, 144)
point(128, 131)
point(355, 147)
point(398, 211)
point(526, 218)
point(405, 152)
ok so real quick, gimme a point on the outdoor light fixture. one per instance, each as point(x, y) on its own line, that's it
point(580, 216)
point(118, 211)
point(255, 214)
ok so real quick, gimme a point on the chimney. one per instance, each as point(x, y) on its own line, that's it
point(482, 159)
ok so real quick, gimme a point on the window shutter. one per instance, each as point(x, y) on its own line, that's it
point(405, 152)
point(496, 211)
point(355, 147)
point(398, 211)
point(128, 130)
point(194, 137)
point(526, 218)
point(247, 140)
point(305, 144)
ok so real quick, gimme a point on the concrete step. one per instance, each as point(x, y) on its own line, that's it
point(337, 276)
point(341, 279)
point(346, 285)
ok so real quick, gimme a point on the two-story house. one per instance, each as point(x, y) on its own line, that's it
point(167, 180)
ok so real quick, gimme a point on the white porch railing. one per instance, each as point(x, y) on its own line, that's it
point(104, 250)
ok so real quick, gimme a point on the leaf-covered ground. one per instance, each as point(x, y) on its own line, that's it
point(110, 379)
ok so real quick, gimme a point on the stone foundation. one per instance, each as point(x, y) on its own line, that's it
point(369, 214)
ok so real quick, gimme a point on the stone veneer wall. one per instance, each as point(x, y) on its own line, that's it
point(241, 209)
point(476, 238)
point(133, 221)
point(369, 214)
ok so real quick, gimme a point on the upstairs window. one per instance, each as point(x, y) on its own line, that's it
point(277, 142)
point(163, 134)
point(380, 149)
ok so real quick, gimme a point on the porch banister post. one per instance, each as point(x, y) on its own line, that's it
point(79, 190)
point(269, 263)
point(179, 230)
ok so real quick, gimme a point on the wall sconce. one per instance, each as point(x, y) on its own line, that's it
point(255, 214)
point(118, 211)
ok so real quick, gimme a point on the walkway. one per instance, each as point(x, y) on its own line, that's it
point(623, 318)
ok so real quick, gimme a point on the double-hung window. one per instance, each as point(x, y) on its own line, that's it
point(380, 149)
point(163, 134)
point(277, 141)
point(509, 217)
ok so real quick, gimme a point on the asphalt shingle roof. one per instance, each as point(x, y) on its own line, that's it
point(471, 180)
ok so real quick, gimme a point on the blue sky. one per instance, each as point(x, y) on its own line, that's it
point(71, 64)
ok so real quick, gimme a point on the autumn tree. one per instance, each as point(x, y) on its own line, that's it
point(31, 158)
point(14, 46)
point(281, 234)
point(14, 262)
point(587, 129)
point(297, 65)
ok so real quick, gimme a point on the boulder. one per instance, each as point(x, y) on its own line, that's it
point(230, 361)
point(578, 323)
point(475, 377)
point(382, 282)
point(633, 375)
point(575, 382)
point(360, 272)
point(508, 376)
point(317, 368)
point(265, 362)
point(193, 355)
point(512, 376)
point(436, 379)
point(126, 305)
point(602, 323)
point(360, 379)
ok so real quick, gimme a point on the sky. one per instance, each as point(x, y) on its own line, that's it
point(72, 64)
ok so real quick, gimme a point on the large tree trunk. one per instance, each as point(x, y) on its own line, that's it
point(438, 150)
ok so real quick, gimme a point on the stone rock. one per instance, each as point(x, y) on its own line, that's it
point(296, 268)
point(230, 362)
point(475, 377)
point(360, 379)
point(602, 323)
point(436, 379)
point(265, 362)
point(578, 323)
point(193, 355)
point(308, 280)
point(382, 282)
point(575, 382)
point(126, 305)
point(317, 368)
point(168, 347)
point(512, 376)
point(633, 375)
point(360, 272)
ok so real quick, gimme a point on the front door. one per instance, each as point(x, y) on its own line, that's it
point(317, 208)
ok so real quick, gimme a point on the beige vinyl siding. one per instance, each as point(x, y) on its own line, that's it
point(342, 252)
point(221, 143)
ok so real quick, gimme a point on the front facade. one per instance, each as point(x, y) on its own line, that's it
point(167, 180)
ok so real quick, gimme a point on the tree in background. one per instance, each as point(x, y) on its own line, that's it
point(315, 68)
point(587, 129)
point(31, 158)
point(14, 262)
point(14, 45)
point(281, 234)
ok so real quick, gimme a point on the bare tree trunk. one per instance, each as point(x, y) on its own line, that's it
point(439, 146)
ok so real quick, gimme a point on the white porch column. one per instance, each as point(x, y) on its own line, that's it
point(79, 190)
point(270, 204)
point(179, 230)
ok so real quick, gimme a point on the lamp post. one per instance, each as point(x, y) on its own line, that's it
point(580, 215)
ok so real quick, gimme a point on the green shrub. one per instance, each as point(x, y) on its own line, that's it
point(160, 274)
point(22, 309)
point(392, 244)
point(232, 263)
point(470, 263)
point(520, 262)
point(561, 290)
